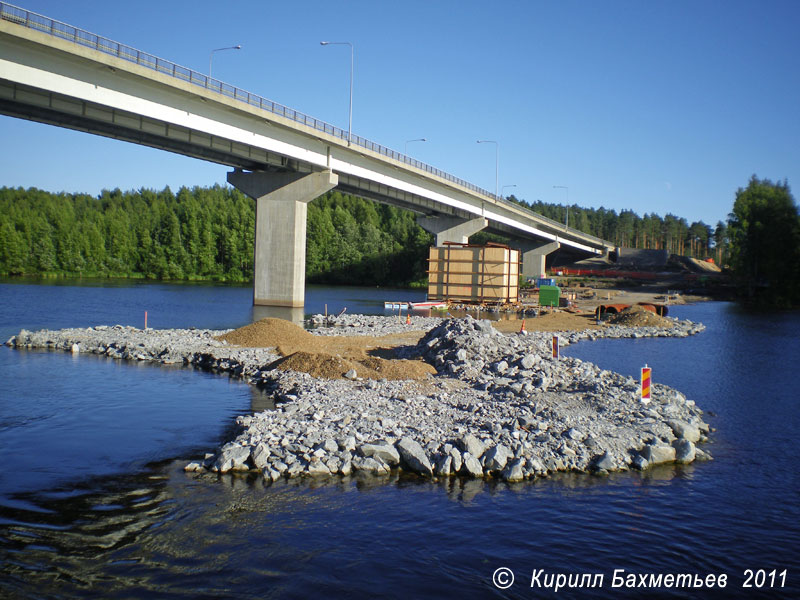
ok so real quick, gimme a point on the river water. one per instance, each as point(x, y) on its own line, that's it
point(94, 502)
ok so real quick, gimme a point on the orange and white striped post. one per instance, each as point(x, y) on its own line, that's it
point(646, 384)
point(555, 347)
point(145, 319)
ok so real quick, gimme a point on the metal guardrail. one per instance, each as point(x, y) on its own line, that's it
point(26, 18)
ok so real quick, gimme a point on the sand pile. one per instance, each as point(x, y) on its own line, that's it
point(329, 357)
point(638, 316)
point(271, 333)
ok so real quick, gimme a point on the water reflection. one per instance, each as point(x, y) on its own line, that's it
point(165, 532)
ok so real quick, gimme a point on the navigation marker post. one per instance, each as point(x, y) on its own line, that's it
point(555, 347)
point(646, 384)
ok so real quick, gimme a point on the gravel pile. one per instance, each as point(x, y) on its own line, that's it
point(378, 325)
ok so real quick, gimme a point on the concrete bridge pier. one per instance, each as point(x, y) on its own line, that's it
point(533, 259)
point(451, 229)
point(279, 267)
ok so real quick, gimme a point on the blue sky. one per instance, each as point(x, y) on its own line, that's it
point(658, 107)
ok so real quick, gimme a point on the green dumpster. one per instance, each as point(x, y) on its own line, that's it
point(549, 295)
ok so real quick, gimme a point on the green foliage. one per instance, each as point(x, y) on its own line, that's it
point(764, 237)
point(199, 234)
point(207, 234)
point(628, 230)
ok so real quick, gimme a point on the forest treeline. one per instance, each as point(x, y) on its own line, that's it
point(206, 233)
point(199, 234)
point(650, 231)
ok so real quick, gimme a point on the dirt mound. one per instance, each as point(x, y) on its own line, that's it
point(269, 333)
point(334, 367)
point(329, 357)
point(638, 316)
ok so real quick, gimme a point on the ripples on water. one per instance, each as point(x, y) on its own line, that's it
point(116, 524)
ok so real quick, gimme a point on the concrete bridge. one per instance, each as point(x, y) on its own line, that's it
point(55, 73)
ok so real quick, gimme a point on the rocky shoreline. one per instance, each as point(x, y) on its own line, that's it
point(500, 406)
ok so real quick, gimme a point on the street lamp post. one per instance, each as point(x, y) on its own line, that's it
point(505, 186)
point(211, 55)
point(405, 148)
point(352, 52)
point(496, 163)
point(564, 187)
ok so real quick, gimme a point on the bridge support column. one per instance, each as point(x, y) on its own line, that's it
point(533, 260)
point(451, 229)
point(279, 266)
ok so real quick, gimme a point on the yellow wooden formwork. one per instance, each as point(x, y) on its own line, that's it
point(475, 274)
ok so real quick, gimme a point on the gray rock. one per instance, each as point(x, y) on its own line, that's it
point(457, 461)
point(260, 455)
point(469, 443)
point(485, 326)
point(413, 456)
point(604, 462)
point(317, 467)
point(232, 457)
point(537, 465)
point(686, 431)
point(295, 469)
point(444, 466)
point(514, 471)
point(528, 361)
point(351, 374)
point(702, 455)
point(574, 434)
point(656, 455)
point(386, 452)
point(496, 458)
point(371, 465)
point(271, 474)
point(639, 462)
point(470, 466)
point(684, 451)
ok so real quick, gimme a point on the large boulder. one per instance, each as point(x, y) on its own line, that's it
point(232, 457)
point(656, 455)
point(469, 443)
point(471, 466)
point(260, 455)
point(514, 470)
point(444, 466)
point(685, 451)
point(413, 456)
point(685, 431)
point(495, 458)
point(386, 452)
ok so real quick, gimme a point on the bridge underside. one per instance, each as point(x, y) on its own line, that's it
point(50, 108)
point(284, 159)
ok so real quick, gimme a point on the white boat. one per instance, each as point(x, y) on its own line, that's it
point(440, 305)
point(395, 305)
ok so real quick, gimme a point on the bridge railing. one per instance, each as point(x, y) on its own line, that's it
point(26, 18)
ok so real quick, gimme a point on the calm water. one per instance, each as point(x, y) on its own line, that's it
point(93, 501)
